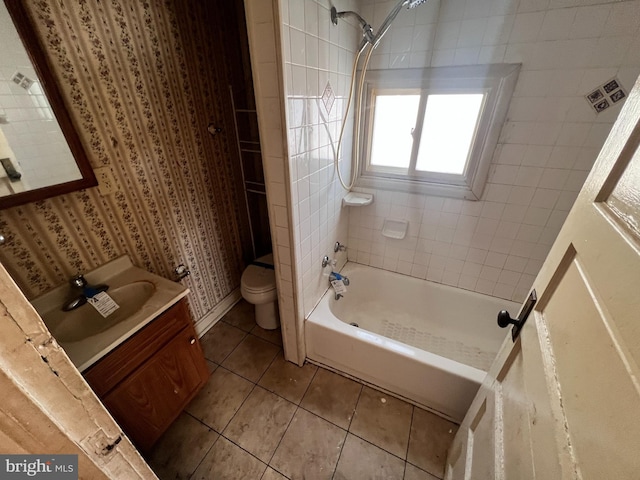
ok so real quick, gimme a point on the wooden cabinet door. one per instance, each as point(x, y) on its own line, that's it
point(155, 394)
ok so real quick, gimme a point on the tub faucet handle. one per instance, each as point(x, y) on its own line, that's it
point(338, 247)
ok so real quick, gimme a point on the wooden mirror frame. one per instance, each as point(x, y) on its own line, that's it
point(23, 23)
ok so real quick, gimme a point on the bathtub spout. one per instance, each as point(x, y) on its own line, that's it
point(338, 283)
point(336, 276)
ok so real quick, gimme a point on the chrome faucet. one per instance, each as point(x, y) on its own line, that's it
point(79, 283)
point(336, 276)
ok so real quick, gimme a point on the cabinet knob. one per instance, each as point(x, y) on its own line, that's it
point(192, 341)
point(175, 390)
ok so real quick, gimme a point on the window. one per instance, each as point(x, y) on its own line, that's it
point(433, 130)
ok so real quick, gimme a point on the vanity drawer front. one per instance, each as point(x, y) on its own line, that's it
point(121, 362)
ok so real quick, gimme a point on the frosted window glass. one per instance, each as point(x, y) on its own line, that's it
point(393, 123)
point(447, 132)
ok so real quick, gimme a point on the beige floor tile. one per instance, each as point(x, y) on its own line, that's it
point(220, 399)
point(414, 473)
point(251, 358)
point(260, 423)
point(287, 379)
point(271, 474)
point(226, 461)
point(242, 316)
point(431, 437)
point(333, 397)
point(273, 336)
point(211, 366)
point(383, 420)
point(220, 341)
point(309, 449)
point(181, 448)
point(360, 459)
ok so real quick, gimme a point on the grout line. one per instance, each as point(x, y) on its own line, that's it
point(255, 385)
point(377, 446)
point(266, 340)
point(292, 416)
point(234, 348)
point(406, 455)
point(280, 441)
point(269, 366)
point(204, 456)
point(244, 450)
point(383, 390)
point(239, 408)
point(299, 406)
point(333, 475)
point(355, 409)
point(237, 374)
point(309, 386)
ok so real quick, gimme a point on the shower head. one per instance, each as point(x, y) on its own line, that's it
point(392, 16)
point(367, 31)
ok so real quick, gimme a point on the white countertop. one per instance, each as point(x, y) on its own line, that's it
point(118, 272)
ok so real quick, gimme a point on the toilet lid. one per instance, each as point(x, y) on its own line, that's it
point(259, 279)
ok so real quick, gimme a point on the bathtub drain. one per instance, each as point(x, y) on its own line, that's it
point(354, 324)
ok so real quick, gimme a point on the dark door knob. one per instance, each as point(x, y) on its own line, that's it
point(504, 319)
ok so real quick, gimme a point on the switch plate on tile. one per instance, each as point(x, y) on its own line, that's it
point(106, 182)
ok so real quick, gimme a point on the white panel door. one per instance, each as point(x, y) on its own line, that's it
point(563, 400)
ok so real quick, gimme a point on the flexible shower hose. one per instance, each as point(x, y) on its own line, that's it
point(359, 87)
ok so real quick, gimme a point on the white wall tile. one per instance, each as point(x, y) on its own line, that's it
point(547, 145)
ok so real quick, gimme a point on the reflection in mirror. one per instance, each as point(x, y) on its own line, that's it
point(40, 153)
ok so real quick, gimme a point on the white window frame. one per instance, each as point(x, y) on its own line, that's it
point(496, 82)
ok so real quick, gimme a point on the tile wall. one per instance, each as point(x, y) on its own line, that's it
point(548, 143)
point(32, 138)
point(262, 27)
point(316, 53)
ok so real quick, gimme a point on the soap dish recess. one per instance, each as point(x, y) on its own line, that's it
point(396, 229)
point(356, 199)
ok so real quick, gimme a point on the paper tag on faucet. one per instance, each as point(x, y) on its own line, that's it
point(338, 286)
point(103, 303)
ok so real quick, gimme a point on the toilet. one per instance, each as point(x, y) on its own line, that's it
point(258, 287)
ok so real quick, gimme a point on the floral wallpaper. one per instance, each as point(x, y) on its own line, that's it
point(142, 80)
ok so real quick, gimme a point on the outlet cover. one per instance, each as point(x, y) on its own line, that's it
point(606, 95)
point(106, 181)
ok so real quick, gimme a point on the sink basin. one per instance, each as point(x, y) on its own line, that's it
point(85, 321)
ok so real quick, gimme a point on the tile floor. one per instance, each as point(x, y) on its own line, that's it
point(260, 417)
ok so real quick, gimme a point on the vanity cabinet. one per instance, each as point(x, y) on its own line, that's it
point(148, 380)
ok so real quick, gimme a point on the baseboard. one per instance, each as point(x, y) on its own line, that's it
point(216, 313)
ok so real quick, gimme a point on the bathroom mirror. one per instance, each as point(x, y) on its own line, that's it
point(41, 155)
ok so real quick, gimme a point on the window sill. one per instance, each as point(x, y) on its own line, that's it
point(419, 187)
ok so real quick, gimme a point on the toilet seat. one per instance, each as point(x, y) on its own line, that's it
point(258, 287)
point(257, 279)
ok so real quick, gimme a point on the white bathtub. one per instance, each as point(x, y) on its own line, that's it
point(427, 342)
